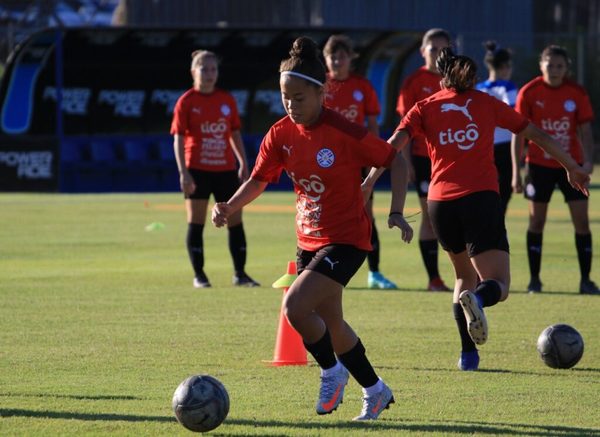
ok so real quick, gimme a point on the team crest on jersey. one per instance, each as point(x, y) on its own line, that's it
point(358, 95)
point(325, 157)
point(225, 110)
point(569, 105)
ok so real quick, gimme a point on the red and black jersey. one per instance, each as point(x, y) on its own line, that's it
point(324, 161)
point(558, 111)
point(459, 132)
point(206, 122)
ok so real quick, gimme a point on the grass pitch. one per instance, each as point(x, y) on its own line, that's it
point(99, 323)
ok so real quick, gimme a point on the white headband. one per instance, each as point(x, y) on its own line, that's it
point(303, 76)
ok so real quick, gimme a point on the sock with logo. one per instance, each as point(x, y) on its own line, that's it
point(488, 292)
point(466, 342)
point(583, 242)
point(322, 351)
point(194, 243)
point(373, 255)
point(237, 247)
point(534, 253)
point(357, 363)
point(429, 253)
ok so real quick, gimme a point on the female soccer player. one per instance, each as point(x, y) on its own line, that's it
point(418, 86)
point(206, 132)
point(498, 61)
point(458, 125)
point(561, 108)
point(354, 97)
point(323, 154)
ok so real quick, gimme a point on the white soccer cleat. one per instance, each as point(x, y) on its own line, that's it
point(375, 404)
point(476, 321)
point(331, 393)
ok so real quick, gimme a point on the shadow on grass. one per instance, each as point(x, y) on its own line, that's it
point(446, 427)
point(68, 415)
point(77, 397)
point(556, 373)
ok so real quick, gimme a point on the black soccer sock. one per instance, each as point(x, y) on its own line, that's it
point(237, 247)
point(357, 363)
point(195, 247)
point(489, 292)
point(534, 253)
point(466, 342)
point(373, 255)
point(322, 351)
point(429, 253)
point(583, 242)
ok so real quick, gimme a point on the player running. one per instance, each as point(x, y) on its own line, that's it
point(458, 124)
point(418, 86)
point(323, 154)
point(354, 97)
point(561, 108)
point(207, 142)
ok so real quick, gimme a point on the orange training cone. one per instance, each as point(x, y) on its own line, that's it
point(289, 348)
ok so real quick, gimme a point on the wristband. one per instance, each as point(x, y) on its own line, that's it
point(394, 213)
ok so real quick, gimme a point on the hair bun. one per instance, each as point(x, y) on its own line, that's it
point(490, 46)
point(444, 60)
point(304, 48)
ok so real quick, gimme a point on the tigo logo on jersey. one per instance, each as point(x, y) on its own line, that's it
point(325, 157)
point(225, 110)
point(470, 133)
point(562, 125)
point(569, 105)
point(358, 95)
point(351, 113)
point(217, 129)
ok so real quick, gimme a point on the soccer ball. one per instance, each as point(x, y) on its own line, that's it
point(201, 403)
point(560, 346)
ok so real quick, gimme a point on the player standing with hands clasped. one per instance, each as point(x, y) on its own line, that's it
point(323, 154)
point(561, 108)
point(354, 97)
point(207, 141)
point(458, 123)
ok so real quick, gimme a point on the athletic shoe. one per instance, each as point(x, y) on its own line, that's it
point(377, 280)
point(243, 280)
point(201, 281)
point(476, 321)
point(375, 404)
point(436, 284)
point(331, 393)
point(587, 286)
point(535, 286)
point(468, 360)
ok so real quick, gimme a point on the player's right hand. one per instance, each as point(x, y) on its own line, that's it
point(187, 183)
point(397, 220)
point(517, 183)
point(579, 179)
point(220, 213)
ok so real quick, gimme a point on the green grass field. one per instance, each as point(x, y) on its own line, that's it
point(99, 323)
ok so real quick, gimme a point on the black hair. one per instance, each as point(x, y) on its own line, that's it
point(556, 50)
point(304, 59)
point(458, 72)
point(339, 42)
point(495, 56)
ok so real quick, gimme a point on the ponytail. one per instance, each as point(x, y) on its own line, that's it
point(458, 72)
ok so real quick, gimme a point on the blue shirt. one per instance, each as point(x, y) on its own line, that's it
point(503, 90)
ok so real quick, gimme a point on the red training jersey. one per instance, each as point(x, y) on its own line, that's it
point(206, 122)
point(558, 111)
point(354, 98)
point(459, 130)
point(324, 162)
point(418, 86)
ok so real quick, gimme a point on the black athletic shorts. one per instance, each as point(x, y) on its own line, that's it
point(422, 166)
point(220, 183)
point(474, 222)
point(337, 261)
point(540, 182)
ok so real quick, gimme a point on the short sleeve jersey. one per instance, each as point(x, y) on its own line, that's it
point(354, 98)
point(558, 111)
point(324, 162)
point(206, 122)
point(503, 90)
point(459, 130)
point(418, 86)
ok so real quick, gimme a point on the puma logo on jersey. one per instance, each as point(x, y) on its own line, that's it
point(331, 263)
point(196, 110)
point(427, 90)
point(288, 149)
point(540, 103)
point(454, 107)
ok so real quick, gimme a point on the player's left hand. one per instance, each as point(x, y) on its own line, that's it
point(243, 173)
point(220, 212)
point(397, 220)
point(579, 179)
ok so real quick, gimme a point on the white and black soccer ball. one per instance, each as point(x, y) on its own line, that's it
point(560, 346)
point(201, 403)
